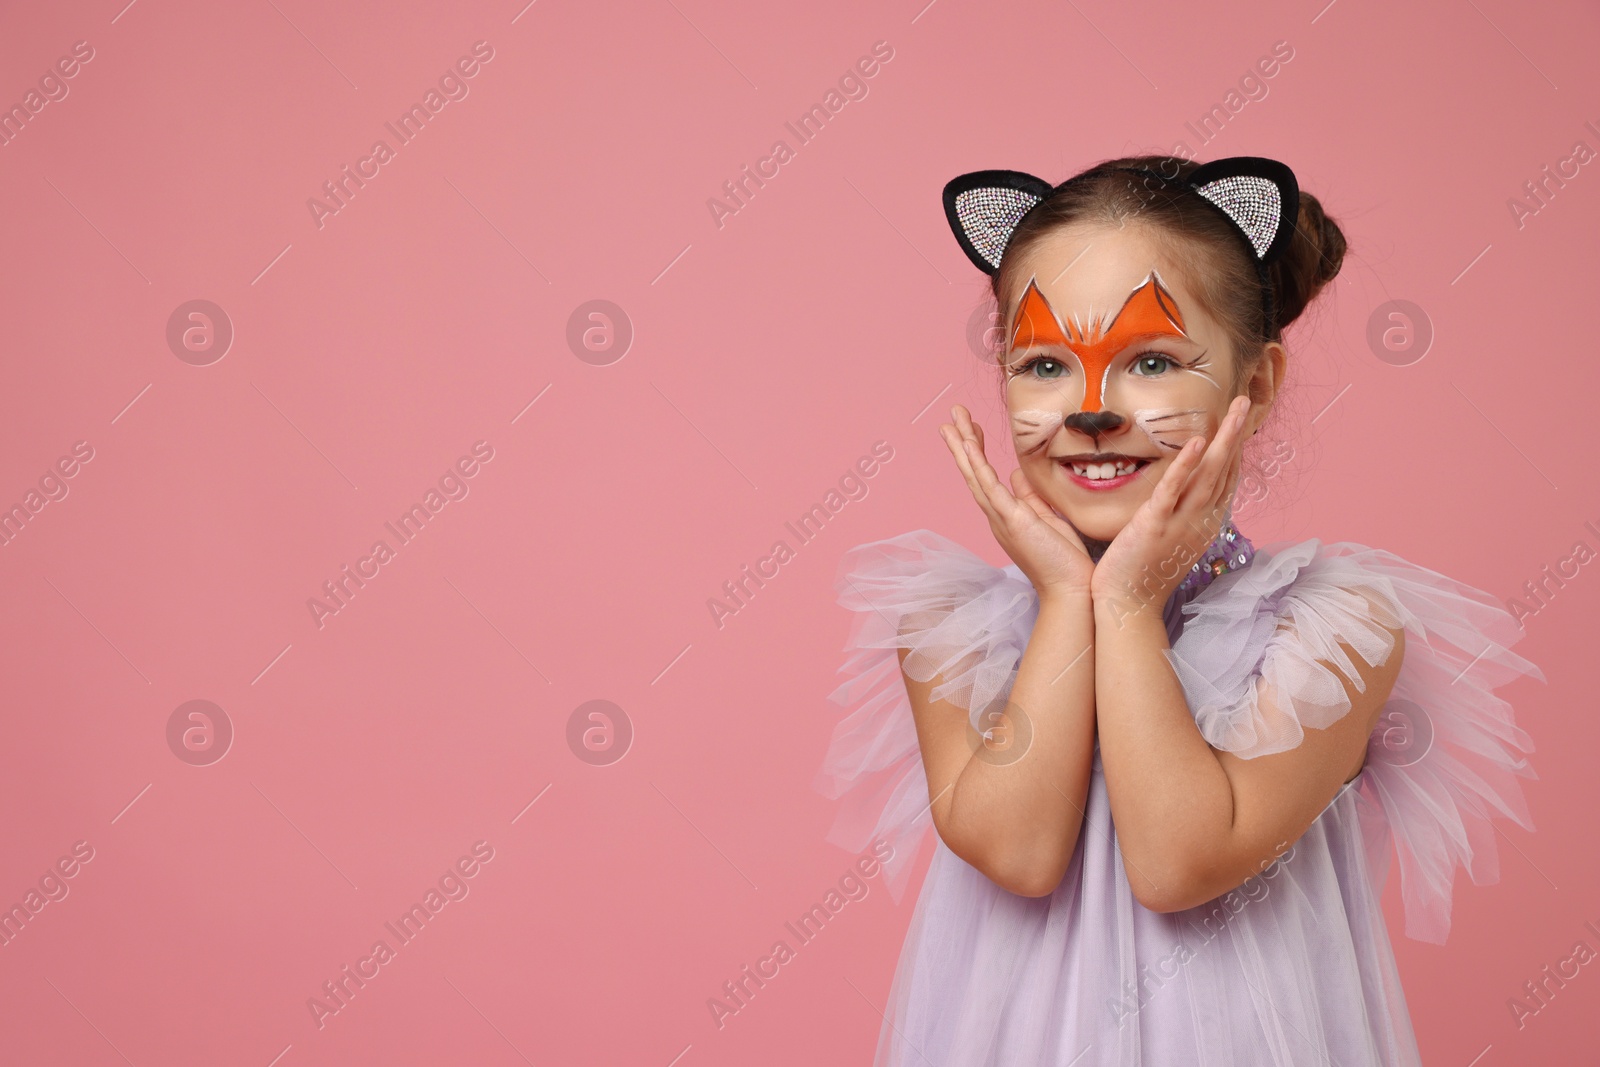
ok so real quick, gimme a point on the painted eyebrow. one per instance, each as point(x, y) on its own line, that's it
point(1150, 335)
point(1147, 335)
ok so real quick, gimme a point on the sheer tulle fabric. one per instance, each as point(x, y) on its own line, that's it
point(1295, 966)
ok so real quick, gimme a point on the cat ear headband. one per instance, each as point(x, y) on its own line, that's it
point(1260, 197)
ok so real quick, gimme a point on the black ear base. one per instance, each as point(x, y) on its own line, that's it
point(983, 208)
point(1260, 196)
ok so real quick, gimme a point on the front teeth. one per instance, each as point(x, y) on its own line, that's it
point(1100, 471)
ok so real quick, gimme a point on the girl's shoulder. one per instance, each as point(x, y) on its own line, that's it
point(1301, 613)
point(959, 617)
point(1446, 753)
point(920, 560)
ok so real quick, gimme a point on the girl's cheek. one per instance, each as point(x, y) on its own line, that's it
point(1169, 429)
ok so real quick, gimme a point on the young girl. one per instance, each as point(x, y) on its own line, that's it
point(1165, 766)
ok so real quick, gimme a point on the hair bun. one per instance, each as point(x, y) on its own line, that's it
point(1312, 259)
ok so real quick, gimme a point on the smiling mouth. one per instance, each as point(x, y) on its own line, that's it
point(1103, 466)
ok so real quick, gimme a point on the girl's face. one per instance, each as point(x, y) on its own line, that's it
point(1111, 364)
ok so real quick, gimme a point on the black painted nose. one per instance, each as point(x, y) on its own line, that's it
point(1094, 423)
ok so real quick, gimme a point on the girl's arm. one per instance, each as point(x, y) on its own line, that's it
point(1194, 822)
point(1013, 807)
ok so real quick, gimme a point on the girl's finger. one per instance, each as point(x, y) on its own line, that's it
point(1221, 472)
point(969, 430)
point(981, 469)
point(958, 448)
point(1024, 491)
point(1213, 471)
point(973, 431)
point(964, 424)
point(999, 496)
point(1225, 501)
point(1235, 470)
point(992, 497)
point(1165, 496)
point(957, 443)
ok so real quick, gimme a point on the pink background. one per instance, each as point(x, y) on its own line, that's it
point(769, 354)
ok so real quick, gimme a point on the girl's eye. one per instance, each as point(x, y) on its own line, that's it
point(1152, 364)
point(1048, 367)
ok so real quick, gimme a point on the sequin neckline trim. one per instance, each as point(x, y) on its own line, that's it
point(1229, 552)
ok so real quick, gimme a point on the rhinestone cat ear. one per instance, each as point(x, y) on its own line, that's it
point(984, 207)
point(1260, 195)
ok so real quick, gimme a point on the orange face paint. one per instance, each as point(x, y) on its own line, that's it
point(1150, 311)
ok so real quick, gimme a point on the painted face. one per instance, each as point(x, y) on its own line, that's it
point(1111, 366)
point(1133, 363)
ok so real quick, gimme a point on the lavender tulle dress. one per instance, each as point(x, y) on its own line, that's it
point(1293, 967)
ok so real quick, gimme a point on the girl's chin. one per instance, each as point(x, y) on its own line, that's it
point(1099, 520)
point(1096, 514)
point(1102, 528)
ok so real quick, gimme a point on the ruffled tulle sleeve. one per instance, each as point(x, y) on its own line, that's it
point(1254, 660)
point(963, 619)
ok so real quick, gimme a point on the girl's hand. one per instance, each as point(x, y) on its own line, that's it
point(1171, 530)
point(1040, 542)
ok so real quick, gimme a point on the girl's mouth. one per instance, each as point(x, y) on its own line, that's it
point(1108, 472)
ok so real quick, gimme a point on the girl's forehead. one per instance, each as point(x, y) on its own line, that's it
point(1086, 273)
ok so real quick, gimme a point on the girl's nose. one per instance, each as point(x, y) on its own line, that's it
point(1093, 423)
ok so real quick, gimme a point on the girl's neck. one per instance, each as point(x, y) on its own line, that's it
point(1096, 548)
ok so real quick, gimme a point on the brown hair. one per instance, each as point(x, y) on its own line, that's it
point(1229, 286)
